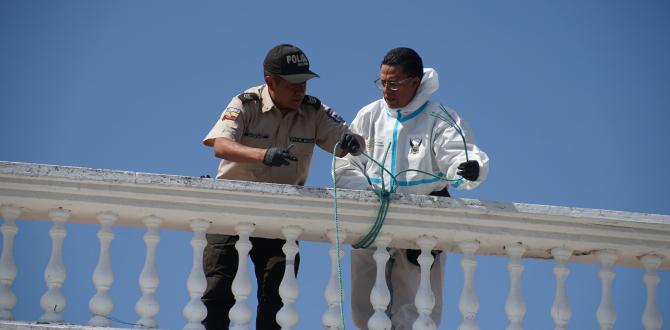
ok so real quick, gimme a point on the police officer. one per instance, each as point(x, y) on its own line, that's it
point(267, 134)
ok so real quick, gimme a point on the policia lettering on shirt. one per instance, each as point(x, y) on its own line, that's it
point(267, 134)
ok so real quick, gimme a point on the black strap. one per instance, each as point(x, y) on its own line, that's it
point(441, 193)
point(311, 100)
point(248, 97)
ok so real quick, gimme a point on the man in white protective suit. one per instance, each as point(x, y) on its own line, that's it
point(407, 131)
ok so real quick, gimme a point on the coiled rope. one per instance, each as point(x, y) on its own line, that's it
point(384, 196)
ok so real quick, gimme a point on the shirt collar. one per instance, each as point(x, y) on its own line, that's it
point(268, 104)
point(266, 100)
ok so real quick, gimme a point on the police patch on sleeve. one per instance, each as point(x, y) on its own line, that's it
point(231, 114)
point(334, 116)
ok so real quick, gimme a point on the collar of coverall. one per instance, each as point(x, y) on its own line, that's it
point(429, 85)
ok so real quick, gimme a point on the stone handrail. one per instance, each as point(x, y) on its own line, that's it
point(130, 199)
point(225, 203)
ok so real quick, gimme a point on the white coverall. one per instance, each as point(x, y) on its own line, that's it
point(417, 141)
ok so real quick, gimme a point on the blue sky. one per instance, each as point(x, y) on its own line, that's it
point(569, 98)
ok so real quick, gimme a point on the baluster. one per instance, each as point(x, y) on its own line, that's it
point(469, 303)
point(147, 306)
point(195, 310)
point(240, 313)
point(425, 299)
point(101, 304)
point(606, 313)
point(331, 318)
point(380, 296)
point(287, 316)
point(560, 310)
point(651, 318)
point(53, 301)
point(7, 265)
point(515, 307)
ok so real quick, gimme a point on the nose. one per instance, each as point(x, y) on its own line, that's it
point(301, 87)
point(387, 91)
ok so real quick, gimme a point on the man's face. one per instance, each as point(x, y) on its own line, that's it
point(286, 95)
point(393, 77)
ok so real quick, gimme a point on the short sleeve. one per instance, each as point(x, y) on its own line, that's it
point(230, 124)
point(329, 128)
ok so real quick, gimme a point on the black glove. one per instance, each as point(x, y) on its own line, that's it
point(469, 170)
point(276, 156)
point(349, 143)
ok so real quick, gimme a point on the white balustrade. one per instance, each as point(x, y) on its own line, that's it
point(101, 304)
point(332, 319)
point(380, 296)
point(7, 265)
point(651, 318)
point(288, 317)
point(53, 301)
point(240, 313)
point(603, 237)
point(468, 303)
point(515, 307)
point(606, 314)
point(425, 299)
point(561, 312)
point(195, 310)
point(147, 306)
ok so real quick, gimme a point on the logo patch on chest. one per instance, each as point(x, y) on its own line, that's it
point(414, 145)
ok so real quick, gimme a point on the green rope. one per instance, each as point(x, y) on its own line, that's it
point(384, 197)
point(383, 194)
point(337, 234)
point(452, 122)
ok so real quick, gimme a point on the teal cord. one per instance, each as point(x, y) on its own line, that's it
point(337, 234)
point(384, 197)
point(452, 122)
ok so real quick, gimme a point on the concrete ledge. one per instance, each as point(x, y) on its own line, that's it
point(18, 325)
point(38, 188)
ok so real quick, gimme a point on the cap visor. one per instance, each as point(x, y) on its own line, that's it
point(299, 78)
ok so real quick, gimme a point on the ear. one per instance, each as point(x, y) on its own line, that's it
point(417, 82)
point(269, 81)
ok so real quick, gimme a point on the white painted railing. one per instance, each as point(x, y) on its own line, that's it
point(473, 227)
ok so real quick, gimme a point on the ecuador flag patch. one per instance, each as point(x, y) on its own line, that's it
point(231, 114)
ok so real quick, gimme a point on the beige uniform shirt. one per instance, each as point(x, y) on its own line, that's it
point(257, 122)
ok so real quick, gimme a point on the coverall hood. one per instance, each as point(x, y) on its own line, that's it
point(429, 85)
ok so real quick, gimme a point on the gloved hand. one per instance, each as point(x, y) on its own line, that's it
point(469, 170)
point(349, 143)
point(276, 156)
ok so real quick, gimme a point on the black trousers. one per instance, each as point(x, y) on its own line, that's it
point(220, 261)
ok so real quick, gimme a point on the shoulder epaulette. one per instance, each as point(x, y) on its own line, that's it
point(248, 97)
point(311, 100)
